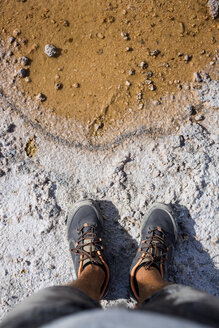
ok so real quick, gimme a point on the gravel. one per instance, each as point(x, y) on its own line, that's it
point(197, 77)
point(23, 72)
point(50, 50)
point(58, 86)
point(41, 97)
point(24, 61)
point(11, 39)
point(143, 65)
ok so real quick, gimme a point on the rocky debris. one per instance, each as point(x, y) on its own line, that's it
point(139, 96)
point(2, 173)
point(11, 39)
point(27, 79)
point(132, 71)
point(187, 58)
point(128, 49)
point(149, 74)
point(66, 23)
point(100, 36)
point(58, 86)
point(16, 32)
point(143, 65)
point(154, 53)
point(10, 53)
point(50, 50)
point(76, 85)
point(23, 72)
point(41, 97)
point(190, 109)
point(197, 77)
point(24, 61)
point(213, 8)
point(199, 118)
point(152, 87)
point(125, 36)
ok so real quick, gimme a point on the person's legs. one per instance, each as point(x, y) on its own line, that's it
point(94, 274)
point(149, 281)
point(84, 229)
point(152, 292)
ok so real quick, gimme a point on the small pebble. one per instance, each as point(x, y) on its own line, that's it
point(50, 50)
point(11, 39)
point(148, 81)
point(180, 54)
point(66, 23)
point(22, 72)
point(128, 49)
point(187, 58)
point(17, 45)
point(155, 52)
point(152, 87)
point(149, 74)
point(143, 65)
point(139, 96)
point(27, 79)
point(41, 97)
point(125, 35)
point(76, 85)
point(100, 36)
point(58, 86)
point(16, 32)
point(2, 173)
point(128, 83)
point(24, 61)
point(10, 53)
point(197, 77)
point(132, 71)
point(200, 118)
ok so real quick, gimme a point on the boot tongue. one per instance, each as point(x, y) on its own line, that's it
point(90, 249)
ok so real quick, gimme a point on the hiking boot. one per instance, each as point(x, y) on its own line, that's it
point(158, 237)
point(84, 227)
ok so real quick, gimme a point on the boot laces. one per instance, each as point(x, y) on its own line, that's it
point(154, 249)
point(88, 239)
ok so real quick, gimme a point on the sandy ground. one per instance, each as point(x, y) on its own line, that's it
point(37, 193)
point(111, 58)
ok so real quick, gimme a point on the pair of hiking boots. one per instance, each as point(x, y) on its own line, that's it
point(158, 237)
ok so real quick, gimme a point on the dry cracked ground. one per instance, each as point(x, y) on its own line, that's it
point(127, 140)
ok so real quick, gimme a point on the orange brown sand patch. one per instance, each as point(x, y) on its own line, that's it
point(114, 59)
